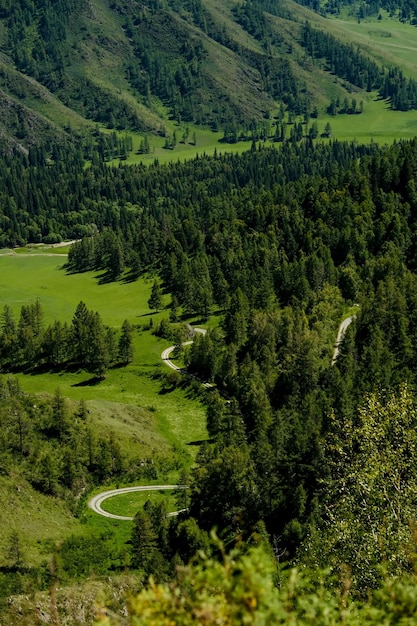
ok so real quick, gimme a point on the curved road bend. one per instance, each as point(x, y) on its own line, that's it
point(167, 352)
point(340, 335)
point(96, 502)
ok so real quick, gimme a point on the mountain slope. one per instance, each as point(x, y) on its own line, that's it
point(137, 65)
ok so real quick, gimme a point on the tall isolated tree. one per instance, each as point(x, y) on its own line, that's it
point(79, 333)
point(98, 358)
point(126, 343)
point(155, 300)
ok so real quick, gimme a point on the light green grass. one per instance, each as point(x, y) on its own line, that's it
point(387, 39)
point(130, 402)
point(207, 142)
point(35, 517)
point(173, 418)
point(377, 123)
point(25, 277)
point(43, 249)
point(129, 504)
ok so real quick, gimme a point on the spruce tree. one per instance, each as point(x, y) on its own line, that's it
point(126, 343)
point(155, 300)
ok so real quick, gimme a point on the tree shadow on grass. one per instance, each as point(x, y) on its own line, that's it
point(90, 382)
point(199, 442)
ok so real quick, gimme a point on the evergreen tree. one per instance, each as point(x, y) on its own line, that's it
point(155, 300)
point(126, 343)
point(143, 542)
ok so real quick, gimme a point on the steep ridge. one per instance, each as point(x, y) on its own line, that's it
point(139, 66)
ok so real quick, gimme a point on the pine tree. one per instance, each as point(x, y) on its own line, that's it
point(79, 334)
point(143, 542)
point(126, 343)
point(155, 300)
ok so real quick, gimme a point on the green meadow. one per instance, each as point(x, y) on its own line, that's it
point(26, 276)
point(207, 142)
point(177, 417)
point(147, 420)
point(129, 503)
point(378, 123)
point(388, 39)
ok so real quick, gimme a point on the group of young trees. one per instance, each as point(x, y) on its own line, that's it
point(53, 447)
point(349, 63)
point(85, 343)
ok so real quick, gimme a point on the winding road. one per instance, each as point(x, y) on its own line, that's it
point(168, 351)
point(340, 335)
point(96, 502)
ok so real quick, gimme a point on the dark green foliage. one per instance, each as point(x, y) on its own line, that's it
point(282, 242)
point(404, 11)
point(143, 543)
point(155, 300)
point(79, 556)
point(86, 343)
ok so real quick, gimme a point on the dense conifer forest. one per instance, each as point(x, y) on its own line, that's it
point(315, 455)
point(309, 464)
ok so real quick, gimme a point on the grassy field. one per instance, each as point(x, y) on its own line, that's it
point(378, 123)
point(179, 418)
point(129, 503)
point(25, 276)
point(388, 39)
point(145, 418)
point(207, 142)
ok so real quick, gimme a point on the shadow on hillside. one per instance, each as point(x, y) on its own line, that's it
point(199, 442)
point(90, 382)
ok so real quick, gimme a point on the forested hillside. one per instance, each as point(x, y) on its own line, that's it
point(309, 456)
point(316, 455)
point(144, 66)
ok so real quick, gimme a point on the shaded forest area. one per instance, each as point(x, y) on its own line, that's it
point(281, 244)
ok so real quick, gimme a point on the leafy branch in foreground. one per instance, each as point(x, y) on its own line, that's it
point(240, 589)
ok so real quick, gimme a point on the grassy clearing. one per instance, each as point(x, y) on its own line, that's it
point(377, 123)
point(130, 400)
point(207, 142)
point(25, 277)
point(387, 39)
point(129, 504)
point(39, 520)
